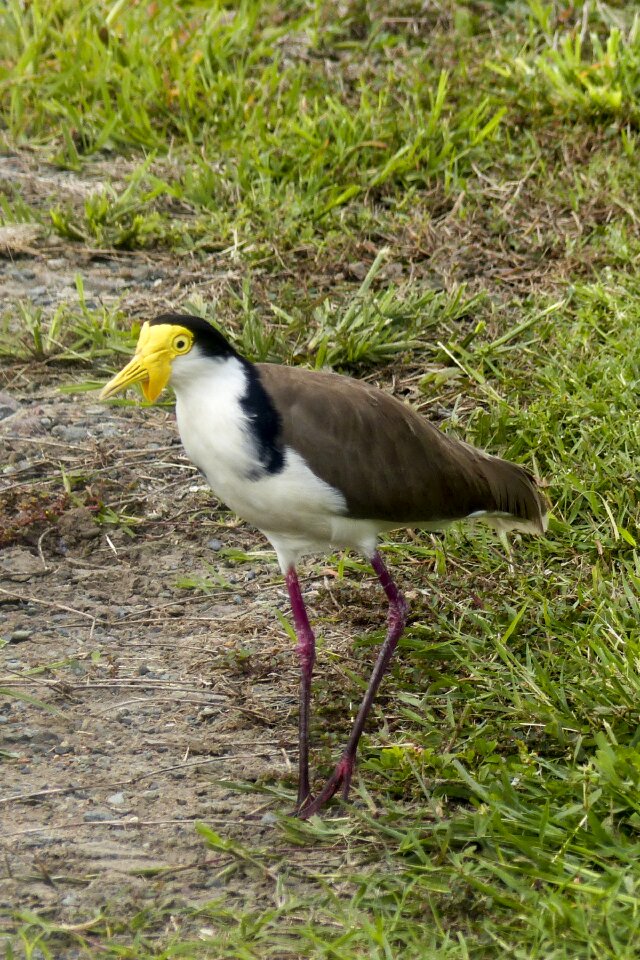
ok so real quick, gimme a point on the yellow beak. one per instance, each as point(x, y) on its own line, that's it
point(150, 367)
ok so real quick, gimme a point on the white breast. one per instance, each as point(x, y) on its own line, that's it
point(296, 510)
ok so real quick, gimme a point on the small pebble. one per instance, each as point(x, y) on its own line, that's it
point(44, 737)
point(95, 816)
point(116, 799)
point(213, 883)
point(207, 712)
point(70, 434)
point(215, 544)
point(40, 841)
point(18, 636)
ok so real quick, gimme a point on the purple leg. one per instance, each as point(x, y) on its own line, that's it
point(307, 654)
point(397, 618)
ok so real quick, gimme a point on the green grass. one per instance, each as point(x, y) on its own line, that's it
point(72, 333)
point(491, 149)
point(264, 129)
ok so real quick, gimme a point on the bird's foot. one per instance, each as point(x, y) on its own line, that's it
point(304, 797)
point(341, 776)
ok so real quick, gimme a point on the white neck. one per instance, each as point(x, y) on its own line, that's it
point(211, 421)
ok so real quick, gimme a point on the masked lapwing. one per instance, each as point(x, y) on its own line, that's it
point(318, 461)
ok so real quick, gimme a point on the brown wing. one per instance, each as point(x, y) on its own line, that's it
point(389, 462)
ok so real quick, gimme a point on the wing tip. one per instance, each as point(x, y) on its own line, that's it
point(530, 511)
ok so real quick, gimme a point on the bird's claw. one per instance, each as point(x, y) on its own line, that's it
point(302, 801)
point(340, 776)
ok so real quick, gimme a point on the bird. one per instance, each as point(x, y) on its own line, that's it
point(319, 461)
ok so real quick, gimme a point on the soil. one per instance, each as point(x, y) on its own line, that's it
point(143, 671)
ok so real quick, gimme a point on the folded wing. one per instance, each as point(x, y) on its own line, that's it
point(390, 463)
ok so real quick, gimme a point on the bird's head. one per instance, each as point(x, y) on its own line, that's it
point(167, 346)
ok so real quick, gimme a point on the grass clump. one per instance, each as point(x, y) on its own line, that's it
point(70, 334)
point(124, 219)
point(588, 71)
point(378, 328)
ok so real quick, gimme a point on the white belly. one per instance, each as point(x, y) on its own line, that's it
point(293, 501)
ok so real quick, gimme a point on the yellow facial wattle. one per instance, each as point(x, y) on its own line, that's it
point(157, 347)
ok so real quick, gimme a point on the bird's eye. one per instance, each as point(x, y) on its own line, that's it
point(181, 344)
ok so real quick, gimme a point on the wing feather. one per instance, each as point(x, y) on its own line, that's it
point(390, 463)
